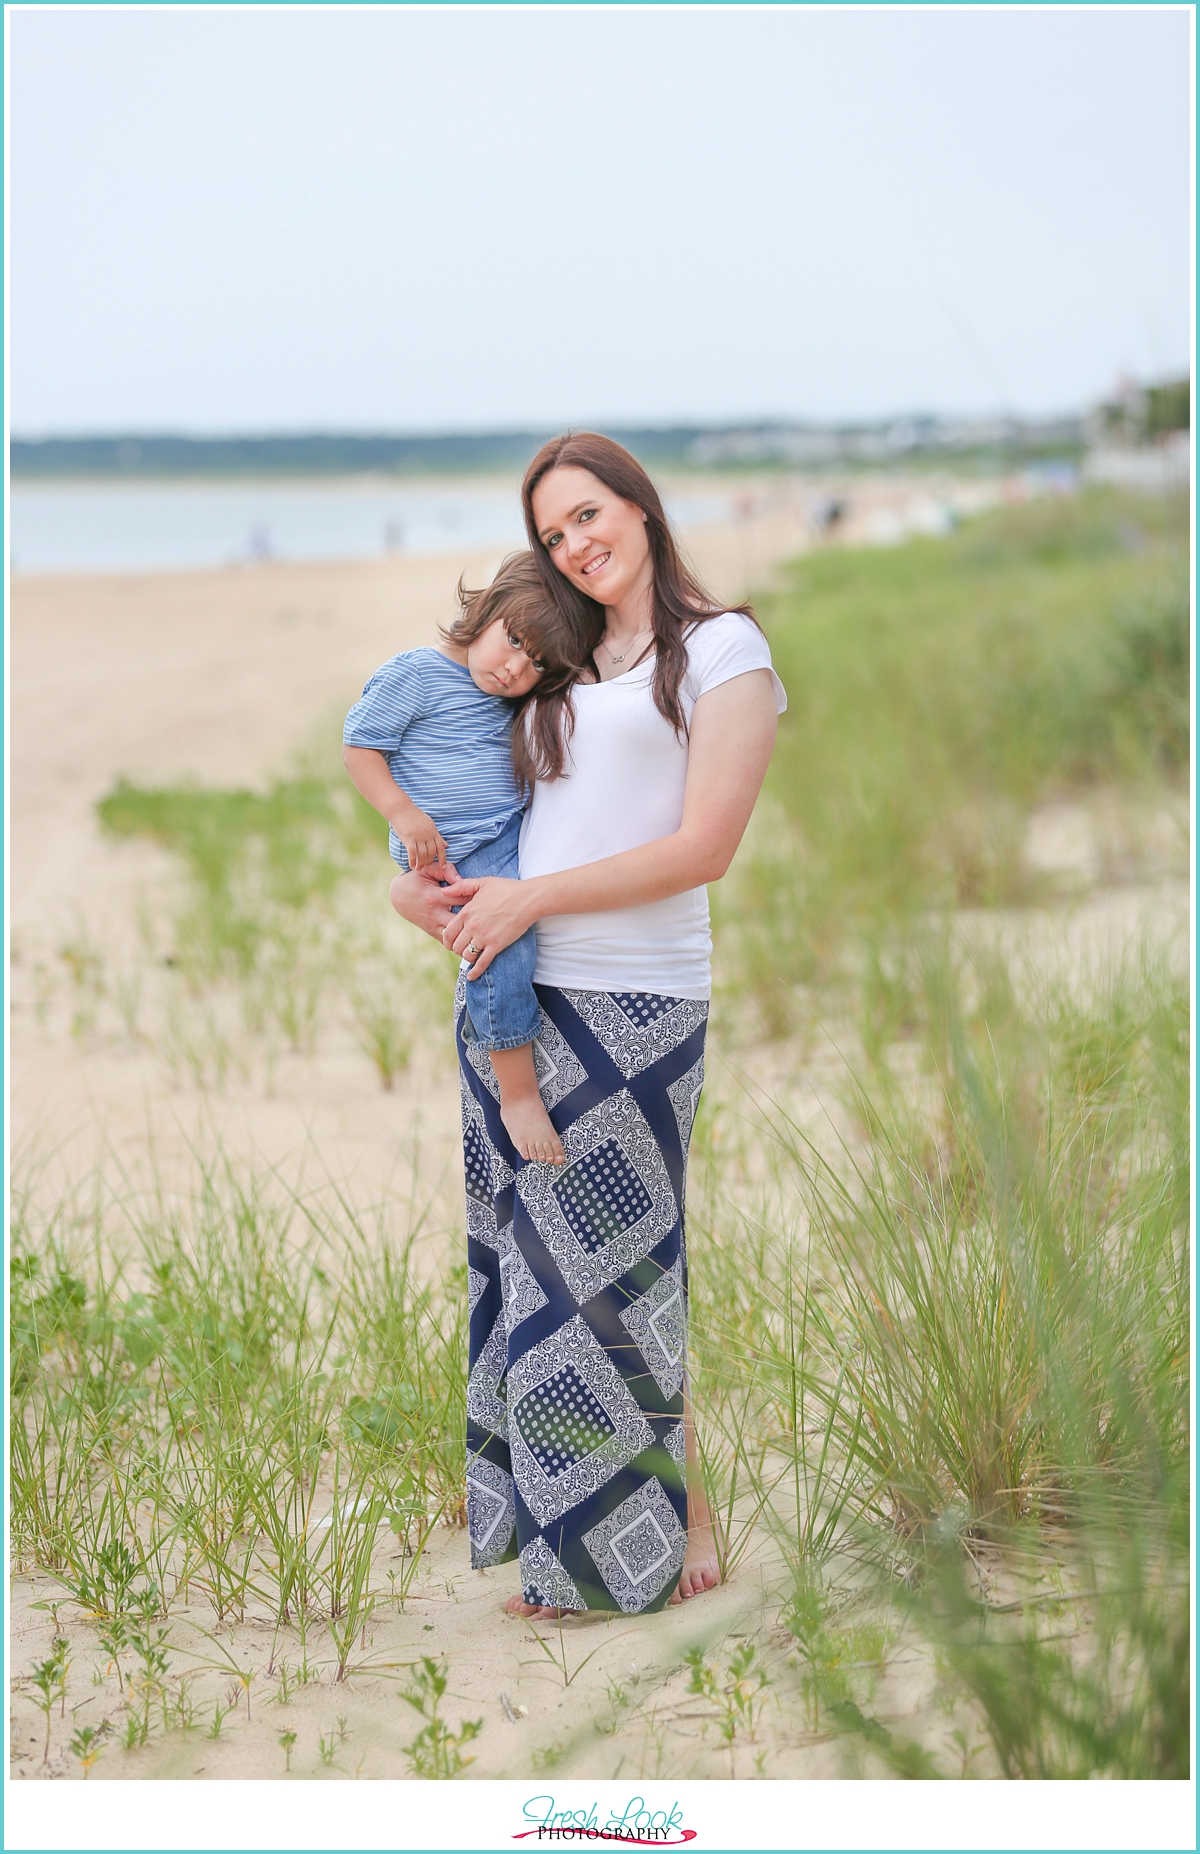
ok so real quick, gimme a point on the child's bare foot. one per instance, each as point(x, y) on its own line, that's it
point(521, 1109)
point(530, 1130)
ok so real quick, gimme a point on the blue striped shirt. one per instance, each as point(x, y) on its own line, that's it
point(447, 743)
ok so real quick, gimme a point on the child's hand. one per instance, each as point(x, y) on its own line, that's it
point(423, 843)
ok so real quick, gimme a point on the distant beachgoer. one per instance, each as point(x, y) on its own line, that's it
point(582, 1458)
point(448, 734)
point(828, 515)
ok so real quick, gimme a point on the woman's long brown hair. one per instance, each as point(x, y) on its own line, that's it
point(679, 600)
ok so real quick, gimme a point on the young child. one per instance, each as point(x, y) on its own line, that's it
point(439, 747)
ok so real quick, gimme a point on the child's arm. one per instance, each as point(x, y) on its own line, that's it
point(423, 842)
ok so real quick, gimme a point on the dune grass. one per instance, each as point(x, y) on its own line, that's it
point(969, 1342)
point(197, 1384)
point(936, 693)
point(939, 1365)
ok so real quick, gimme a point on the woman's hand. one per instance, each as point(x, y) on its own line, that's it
point(495, 911)
point(421, 899)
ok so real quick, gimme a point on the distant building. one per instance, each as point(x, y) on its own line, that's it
point(1140, 438)
point(920, 435)
point(1136, 414)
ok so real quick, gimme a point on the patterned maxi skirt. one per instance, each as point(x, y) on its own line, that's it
point(577, 1280)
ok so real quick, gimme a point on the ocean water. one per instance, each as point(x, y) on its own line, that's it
point(160, 527)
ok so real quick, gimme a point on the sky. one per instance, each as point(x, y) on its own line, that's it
point(472, 219)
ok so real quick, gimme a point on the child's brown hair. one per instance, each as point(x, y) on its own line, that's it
point(543, 719)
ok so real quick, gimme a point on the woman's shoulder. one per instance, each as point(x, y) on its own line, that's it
point(725, 637)
point(724, 646)
point(718, 626)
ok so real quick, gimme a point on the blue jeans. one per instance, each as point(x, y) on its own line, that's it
point(502, 1012)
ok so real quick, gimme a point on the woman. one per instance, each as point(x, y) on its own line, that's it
point(582, 1456)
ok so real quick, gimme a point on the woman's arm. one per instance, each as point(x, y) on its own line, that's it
point(729, 748)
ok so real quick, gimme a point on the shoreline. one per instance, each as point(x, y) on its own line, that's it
point(751, 497)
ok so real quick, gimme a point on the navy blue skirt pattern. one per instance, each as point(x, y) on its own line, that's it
point(577, 1282)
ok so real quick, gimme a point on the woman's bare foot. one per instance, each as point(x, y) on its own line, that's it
point(701, 1565)
point(525, 1118)
point(701, 1561)
point(535, 1612)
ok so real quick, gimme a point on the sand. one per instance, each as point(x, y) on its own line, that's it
point(225, 677)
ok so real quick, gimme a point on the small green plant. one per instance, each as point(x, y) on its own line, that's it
point(287, 1740)
point(127, 986)
point(436, 1751)
point(618, 1700)
point(148, 1681)
point(105, 1589)
point(243, 1677)
point(134, 1733)
point(49, 1680)
point(560, 1661)
point(293, 1677)
point(836, 1659)
point(736, 1693)
point(85, 965)
point(383, 1017)
point(151, 1653)
point(114, 1639)
point(179, 1714)
point(86, 1746)
point(45, 984)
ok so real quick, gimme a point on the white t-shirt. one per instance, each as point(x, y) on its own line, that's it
point(626, 770)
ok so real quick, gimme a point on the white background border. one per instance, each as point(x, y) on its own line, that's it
point(481, 1815)
point(488, 1815)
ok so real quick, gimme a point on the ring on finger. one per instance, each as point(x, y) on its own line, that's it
point(472, 950)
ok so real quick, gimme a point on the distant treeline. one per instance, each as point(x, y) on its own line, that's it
point(770, 443)
point(309, 454)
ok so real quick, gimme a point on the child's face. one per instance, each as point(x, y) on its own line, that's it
point(498, 662)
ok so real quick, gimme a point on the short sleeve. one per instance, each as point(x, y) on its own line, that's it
point(390, 701)
point(721, 648)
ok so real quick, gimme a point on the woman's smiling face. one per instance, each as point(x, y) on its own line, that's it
point(596, 539)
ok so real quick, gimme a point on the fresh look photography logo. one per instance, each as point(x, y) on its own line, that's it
point(635, 1825)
